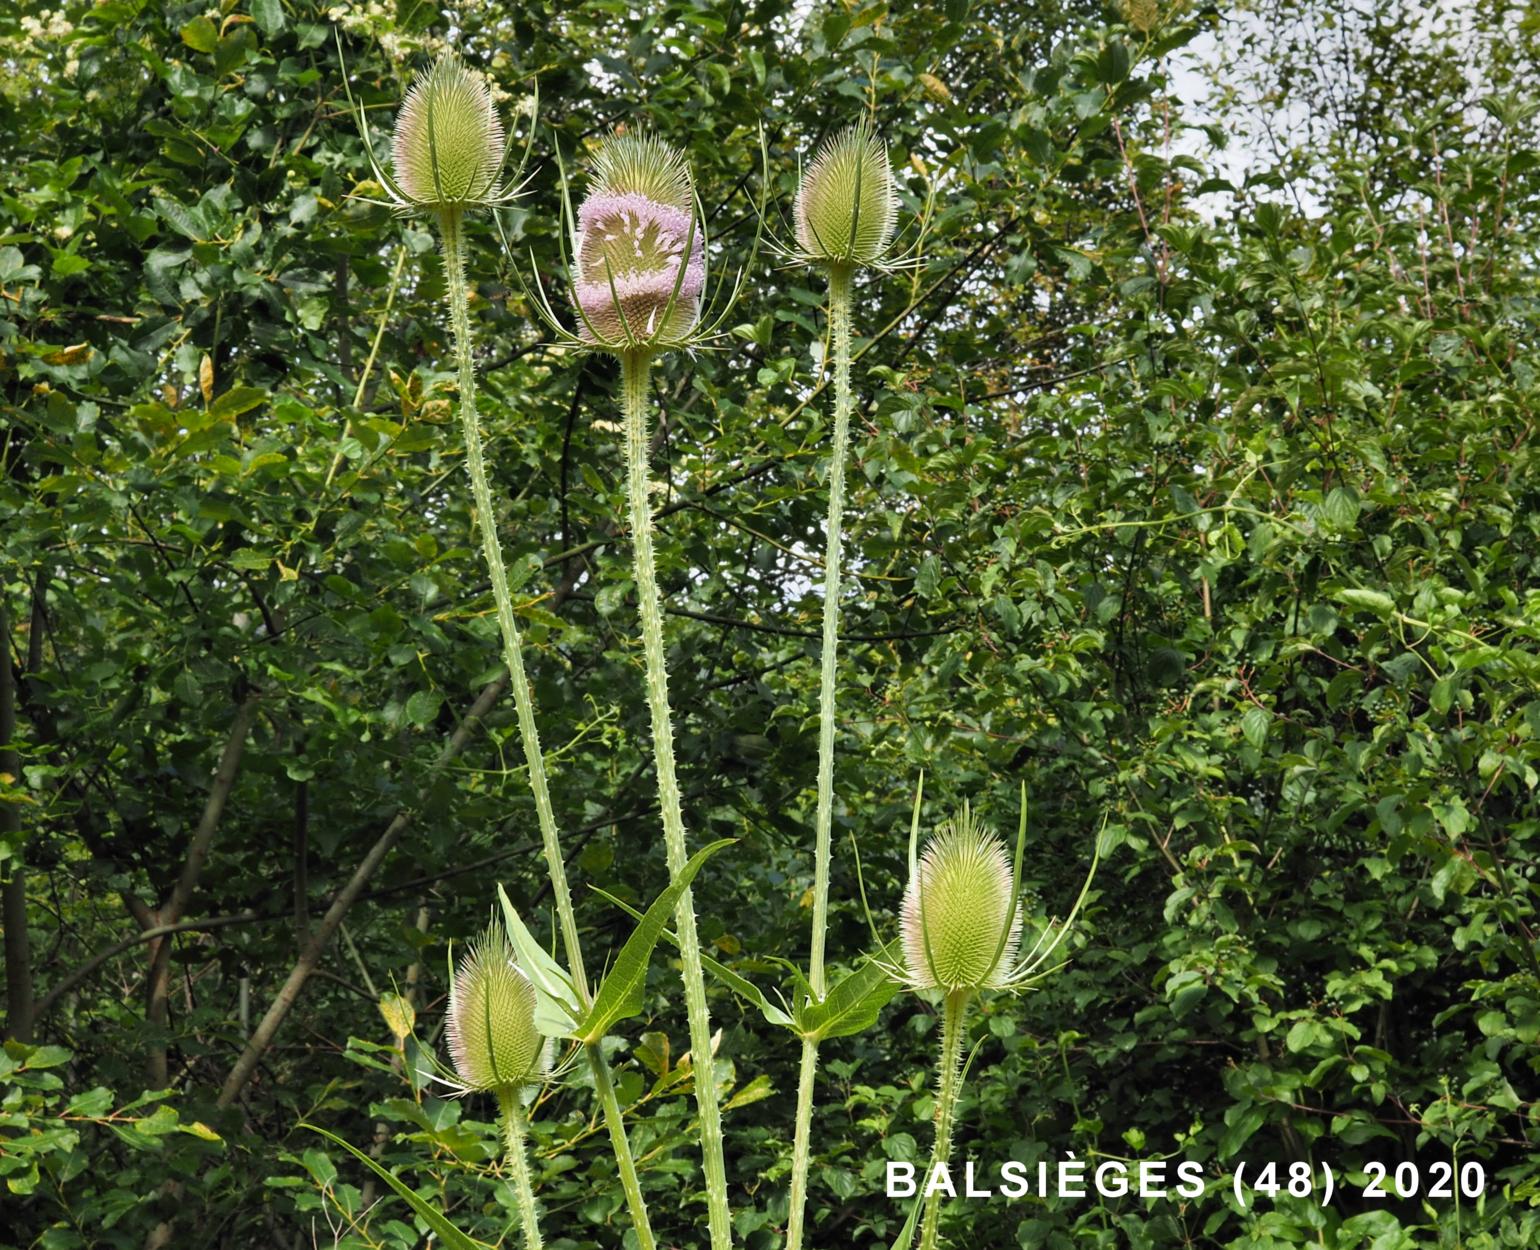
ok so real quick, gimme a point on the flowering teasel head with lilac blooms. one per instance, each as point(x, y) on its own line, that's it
point(491, 1020)
point(639, 272)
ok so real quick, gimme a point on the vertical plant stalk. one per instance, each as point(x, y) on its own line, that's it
point(801, 1145)
point(635, 367)
point(518, 1163)
point(513, 652)
point(19, 1013)
point(839, 332)
point(614, 1122)
point(450, 229)
point(954, 1015)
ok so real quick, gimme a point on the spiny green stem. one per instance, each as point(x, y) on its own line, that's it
point(801, 1145)
point(953, 1017)
point(839, 327)
point(635, 368)
point(513, 651)
point(614, 1121)
point(518, 1164)
point(839, 332)
point(450, 228)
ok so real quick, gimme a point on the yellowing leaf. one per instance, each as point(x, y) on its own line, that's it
point(206, 378)
point(75, 355)
point(935, 88)
point(399, 1014)
point(199, 1129)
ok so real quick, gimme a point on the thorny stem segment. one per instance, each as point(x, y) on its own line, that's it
point(953, 1017)
point(800, 1156)
point(635, 367)
point(615, 1123)
point(839, 328)
point(450, 228)
point(518, 1163)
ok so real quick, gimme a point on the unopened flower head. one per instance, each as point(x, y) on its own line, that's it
point(640, 272)
point(961, 925)
point(449, 146)
point(491, 1020)
point(846, 206)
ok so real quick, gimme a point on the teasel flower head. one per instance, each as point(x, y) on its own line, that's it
point(638, 260)
point(960, 921)
point(846, 206)
point(491, 1019)
point(640, 257)
point(449, 150)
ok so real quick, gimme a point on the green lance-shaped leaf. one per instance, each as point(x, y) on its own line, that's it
point(739, 985)
point(556, 1002)
point(851, 1007)
point(447, 1233)
point(1376, 601)
point(620, 997)
point(905, 1237)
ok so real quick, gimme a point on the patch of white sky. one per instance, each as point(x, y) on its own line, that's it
point(1229, 55)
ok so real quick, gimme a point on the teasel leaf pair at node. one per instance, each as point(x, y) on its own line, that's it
point(961, 919)
point(449, 149)
point(636, 253)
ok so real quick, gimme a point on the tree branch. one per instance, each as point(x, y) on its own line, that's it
point(68, 982)
point(159, 995)
point(267, 1029)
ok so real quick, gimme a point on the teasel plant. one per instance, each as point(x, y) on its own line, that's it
point(961, 925)
point(638, 275)
point(843, 219)
point(497, 1047)
point(498, 1044)
point(449, 156)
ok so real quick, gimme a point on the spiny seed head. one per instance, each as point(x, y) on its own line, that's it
point(956, 909)
point(846, 205)
point(641, 259)
point(491, 1020)
point(449, 144)
point(639, 163)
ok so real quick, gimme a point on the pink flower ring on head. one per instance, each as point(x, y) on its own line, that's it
point(631, 262)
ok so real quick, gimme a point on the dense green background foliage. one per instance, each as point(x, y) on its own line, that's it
point(1206, 510)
